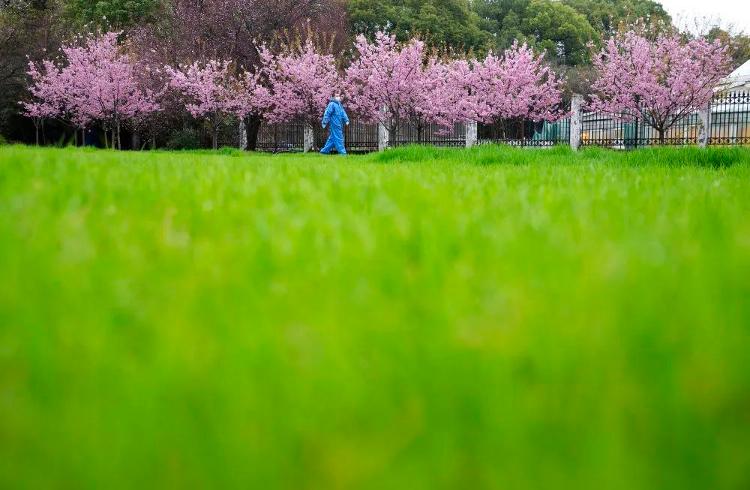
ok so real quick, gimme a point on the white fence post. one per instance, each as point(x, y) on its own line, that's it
point(705, 131)
point(576, 118)
point(383, 137)
point(243, 135)
point(308, 138)
point(471, 134)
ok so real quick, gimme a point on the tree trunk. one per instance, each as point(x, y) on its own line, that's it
point(661, 136)
point(215, 138)
point(36, 128)
point(119, 141)
point(106, 141)
point(75, 136)
point(252, 127)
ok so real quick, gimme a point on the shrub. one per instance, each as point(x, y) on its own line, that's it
point(184, 139)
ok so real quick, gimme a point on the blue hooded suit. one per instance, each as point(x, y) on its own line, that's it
point(336, 117)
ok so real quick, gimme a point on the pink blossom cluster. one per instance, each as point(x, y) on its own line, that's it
point(299, 83)
point(210, 91)
point(208, 88)
point(48, 98)
point(390, 83)
point(95, 81)
point(660, 81)
point(517, 84)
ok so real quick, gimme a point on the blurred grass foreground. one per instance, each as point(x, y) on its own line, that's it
point(417, 319)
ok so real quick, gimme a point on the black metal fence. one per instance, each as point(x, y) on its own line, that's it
point(521, 132)
point(730, 119)
point(281, 137)
point(290, 137)
point(359, 137)
point(729, 125)
point(599, 129)
point(729, 116)
point(430, 134)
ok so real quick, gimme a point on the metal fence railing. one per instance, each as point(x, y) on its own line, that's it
point(359, 137)
point(281, 137)
point(599, 129)
point(729, 117)
point(290, 137)
point(525, 133)
point(430, 134)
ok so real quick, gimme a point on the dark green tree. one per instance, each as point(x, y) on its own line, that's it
point(440, 23)
point(738, 43)
point(27, 28)
point(560, 30)
point(114, 14)
point(503, 20)
point(544, 24)
point(607, 16)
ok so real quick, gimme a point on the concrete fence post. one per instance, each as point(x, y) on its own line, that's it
point(576, 120)
point(471, 134)
point(308, 138)
point(383, 137)
point(243, 135)
point(704, 134)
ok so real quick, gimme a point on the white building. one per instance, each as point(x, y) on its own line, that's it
point(737, 81)
point(730, 110)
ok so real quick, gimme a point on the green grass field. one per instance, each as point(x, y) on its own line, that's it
point(418, 319)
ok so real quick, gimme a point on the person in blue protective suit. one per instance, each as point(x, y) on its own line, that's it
point(335, 118)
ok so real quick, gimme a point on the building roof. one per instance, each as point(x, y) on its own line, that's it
point(739, 78)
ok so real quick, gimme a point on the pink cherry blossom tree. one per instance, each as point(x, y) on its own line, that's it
point(55, 95)
point(391, 83)
point(448, 92)
point(516, 85)
point(95, 81)
point(211, 92)
point(101, 84)
point(46, 98)
point(660, 81)
point(251, 96)
point(300, 81)
point(153, 78)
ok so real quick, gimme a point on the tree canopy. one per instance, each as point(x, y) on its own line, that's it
point(185, 31)
point(739, 44)
point(118, 14)
point(440, 23)
point(607, 16)
point(545, 24)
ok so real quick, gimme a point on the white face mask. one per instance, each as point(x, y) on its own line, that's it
point(337, 99)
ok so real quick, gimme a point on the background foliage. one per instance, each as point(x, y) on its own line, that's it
point(181, 31)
